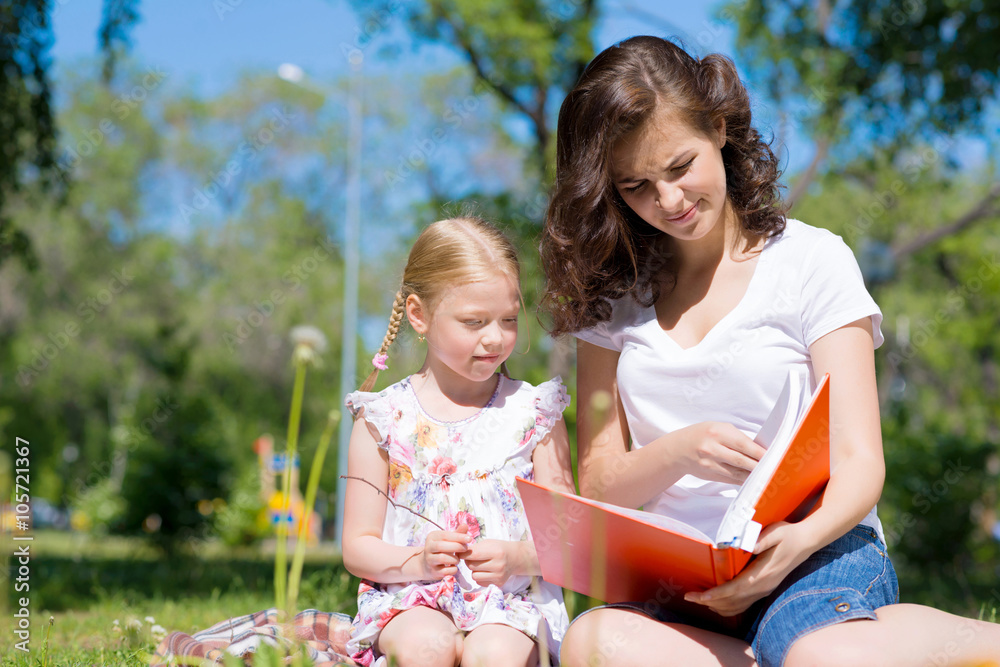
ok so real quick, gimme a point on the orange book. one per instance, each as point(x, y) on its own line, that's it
point(616, 554)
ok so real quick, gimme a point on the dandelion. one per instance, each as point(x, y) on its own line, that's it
point(150, 620)
point(309, 343)
point(158, 632)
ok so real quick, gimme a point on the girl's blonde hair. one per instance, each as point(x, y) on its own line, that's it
point(446, 254)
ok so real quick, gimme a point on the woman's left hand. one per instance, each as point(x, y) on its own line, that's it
point(780, 548)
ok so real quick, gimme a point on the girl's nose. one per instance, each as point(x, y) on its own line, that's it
point(492, 335)
point(669, 197)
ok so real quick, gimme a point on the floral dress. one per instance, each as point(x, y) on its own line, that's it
point(460, 473)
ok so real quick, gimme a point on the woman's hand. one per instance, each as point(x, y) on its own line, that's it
point(442, 551)
point(717, 452)
point(496, 561)
point(780, 549)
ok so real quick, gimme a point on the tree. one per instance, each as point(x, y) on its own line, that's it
point(861, 77)
point(527, 52)
point(27, 152)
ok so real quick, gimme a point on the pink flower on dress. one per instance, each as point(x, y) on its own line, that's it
point(442, 465)
point(465, 518)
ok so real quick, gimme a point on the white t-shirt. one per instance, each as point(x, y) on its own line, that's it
point(806, 284)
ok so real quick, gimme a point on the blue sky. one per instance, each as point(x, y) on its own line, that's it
point(207, 42)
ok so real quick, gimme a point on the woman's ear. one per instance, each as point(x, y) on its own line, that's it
point(720, 129)
point(417, 314)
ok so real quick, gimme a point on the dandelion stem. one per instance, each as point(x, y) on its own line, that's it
point(295, 575)
point(280, 558)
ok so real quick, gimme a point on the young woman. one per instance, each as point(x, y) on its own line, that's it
point(669, 257)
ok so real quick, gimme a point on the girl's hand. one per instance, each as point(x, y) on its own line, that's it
point(717, 452)
point(442, 551)
point(495, 561)
point(780, 549)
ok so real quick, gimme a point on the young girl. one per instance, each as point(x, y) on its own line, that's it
point(448, 565)
point(668, 255)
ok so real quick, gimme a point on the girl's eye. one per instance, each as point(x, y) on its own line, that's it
point(472, 323)
point(634, 188)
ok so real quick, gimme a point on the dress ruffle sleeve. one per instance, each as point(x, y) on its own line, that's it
point(376, 409)
point(551, 399)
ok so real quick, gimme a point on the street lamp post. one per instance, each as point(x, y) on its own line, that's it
point(352, 224)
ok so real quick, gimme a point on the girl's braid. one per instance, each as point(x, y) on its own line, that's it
point(395, 321)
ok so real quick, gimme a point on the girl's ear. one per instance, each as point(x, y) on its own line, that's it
point(417, 314)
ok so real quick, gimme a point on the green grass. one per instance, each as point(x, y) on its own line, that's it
point(85, 584)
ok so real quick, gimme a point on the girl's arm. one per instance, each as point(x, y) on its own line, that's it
point(551, 460)
point(495, 561)
point(366, 554)
point(857, 471)
point(609, 471)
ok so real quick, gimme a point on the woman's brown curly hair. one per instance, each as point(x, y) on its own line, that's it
point(594, 247)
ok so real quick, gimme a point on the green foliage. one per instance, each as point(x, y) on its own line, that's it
point(173, 479)
point(99, 508)
point(933, 514)
point(883, 69)
point(238, 523)
point(528, 53)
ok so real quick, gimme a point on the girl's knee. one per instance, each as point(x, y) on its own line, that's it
point(422, 639)
point(498, 647)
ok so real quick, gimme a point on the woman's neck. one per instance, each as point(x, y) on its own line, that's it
point(726, 238)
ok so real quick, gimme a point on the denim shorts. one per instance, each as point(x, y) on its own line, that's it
point(844, 581)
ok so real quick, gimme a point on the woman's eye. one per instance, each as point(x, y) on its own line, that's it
point(632, 189)
point(682, 168)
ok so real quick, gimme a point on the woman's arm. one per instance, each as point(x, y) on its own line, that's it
point(366, 554)
point(857, 471)
point(609, 471)
point(857, 465)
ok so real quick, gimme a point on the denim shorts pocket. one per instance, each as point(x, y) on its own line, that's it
point(846, 580)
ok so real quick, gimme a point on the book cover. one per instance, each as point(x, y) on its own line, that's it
point(617, 554)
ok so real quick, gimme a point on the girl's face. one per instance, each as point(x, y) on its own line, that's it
point(473, 328)
point(672, 176)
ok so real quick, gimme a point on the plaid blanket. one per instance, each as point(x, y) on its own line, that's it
point(324, 635)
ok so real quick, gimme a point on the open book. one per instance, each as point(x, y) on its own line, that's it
point(616, 554)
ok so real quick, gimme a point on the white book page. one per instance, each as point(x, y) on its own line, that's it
point(775, 436)
point(657, 520)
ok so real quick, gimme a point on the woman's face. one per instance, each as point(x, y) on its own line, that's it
point(672, 176)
